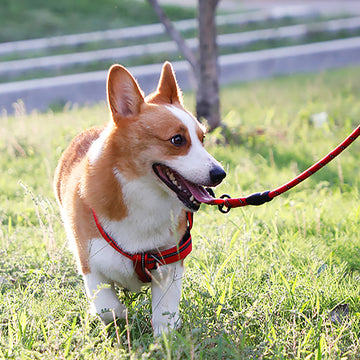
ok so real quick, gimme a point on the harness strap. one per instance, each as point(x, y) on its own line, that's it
point(145, 262)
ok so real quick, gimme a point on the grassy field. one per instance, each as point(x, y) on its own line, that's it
point(22, 19)
point(280, 281)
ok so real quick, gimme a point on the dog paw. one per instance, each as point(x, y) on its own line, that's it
point(166, 325)
point(160, 329)
point(109, 315)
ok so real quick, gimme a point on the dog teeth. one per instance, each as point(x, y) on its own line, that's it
point(185, 191)
point(194, 201)
point(172, 178)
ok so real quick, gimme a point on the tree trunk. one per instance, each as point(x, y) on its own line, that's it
point(208, 102)
point(206, 68)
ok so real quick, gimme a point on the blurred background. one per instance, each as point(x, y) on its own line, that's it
point(53, 53)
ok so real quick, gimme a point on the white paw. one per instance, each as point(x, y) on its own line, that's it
point(166, 324)
point(109, 315)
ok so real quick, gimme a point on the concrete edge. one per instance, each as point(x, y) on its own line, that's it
point(13, 68)
point(90, 87)
point(149, 30)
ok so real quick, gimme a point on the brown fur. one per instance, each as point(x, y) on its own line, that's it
point(81, 186)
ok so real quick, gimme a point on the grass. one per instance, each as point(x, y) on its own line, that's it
point(48, 18)
point(279, 281)
point(40, 18)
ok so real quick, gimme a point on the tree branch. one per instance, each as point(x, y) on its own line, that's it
point(175, 35)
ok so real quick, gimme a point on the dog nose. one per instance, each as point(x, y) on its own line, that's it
point(217, 175)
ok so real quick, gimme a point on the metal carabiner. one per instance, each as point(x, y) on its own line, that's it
point(221, 206)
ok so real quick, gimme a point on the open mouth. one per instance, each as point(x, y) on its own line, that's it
point(190, 194)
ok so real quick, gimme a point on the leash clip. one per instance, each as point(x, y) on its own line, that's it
point(225, 204)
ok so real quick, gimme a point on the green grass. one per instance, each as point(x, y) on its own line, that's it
point(22, 19)
point(268, 282)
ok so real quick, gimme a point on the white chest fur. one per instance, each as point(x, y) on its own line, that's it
point(150, 225)
point(152, 219)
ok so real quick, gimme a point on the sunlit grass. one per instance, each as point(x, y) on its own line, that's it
point(22, 19)
point(272, 282)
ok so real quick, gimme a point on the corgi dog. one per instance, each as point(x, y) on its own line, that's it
point(127, 191)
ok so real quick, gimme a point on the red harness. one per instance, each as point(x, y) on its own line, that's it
point(145, 262)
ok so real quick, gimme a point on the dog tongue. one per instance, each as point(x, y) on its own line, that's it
point(199, 193)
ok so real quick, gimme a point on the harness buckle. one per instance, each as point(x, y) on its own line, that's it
point(140, 265)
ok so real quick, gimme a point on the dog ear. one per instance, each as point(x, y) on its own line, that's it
point(124, 94)
point(167, 91)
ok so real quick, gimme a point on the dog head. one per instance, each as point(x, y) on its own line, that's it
point(157, 135)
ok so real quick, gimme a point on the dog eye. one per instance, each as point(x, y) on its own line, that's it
point(178, 140)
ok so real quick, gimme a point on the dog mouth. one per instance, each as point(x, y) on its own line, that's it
point(190, 194)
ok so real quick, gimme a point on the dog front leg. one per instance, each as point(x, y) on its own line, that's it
point(103, 297)
point(166, 293)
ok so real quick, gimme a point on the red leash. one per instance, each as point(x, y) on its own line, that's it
point(260, 198)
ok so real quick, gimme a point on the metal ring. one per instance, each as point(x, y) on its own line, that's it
point(221, 206)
